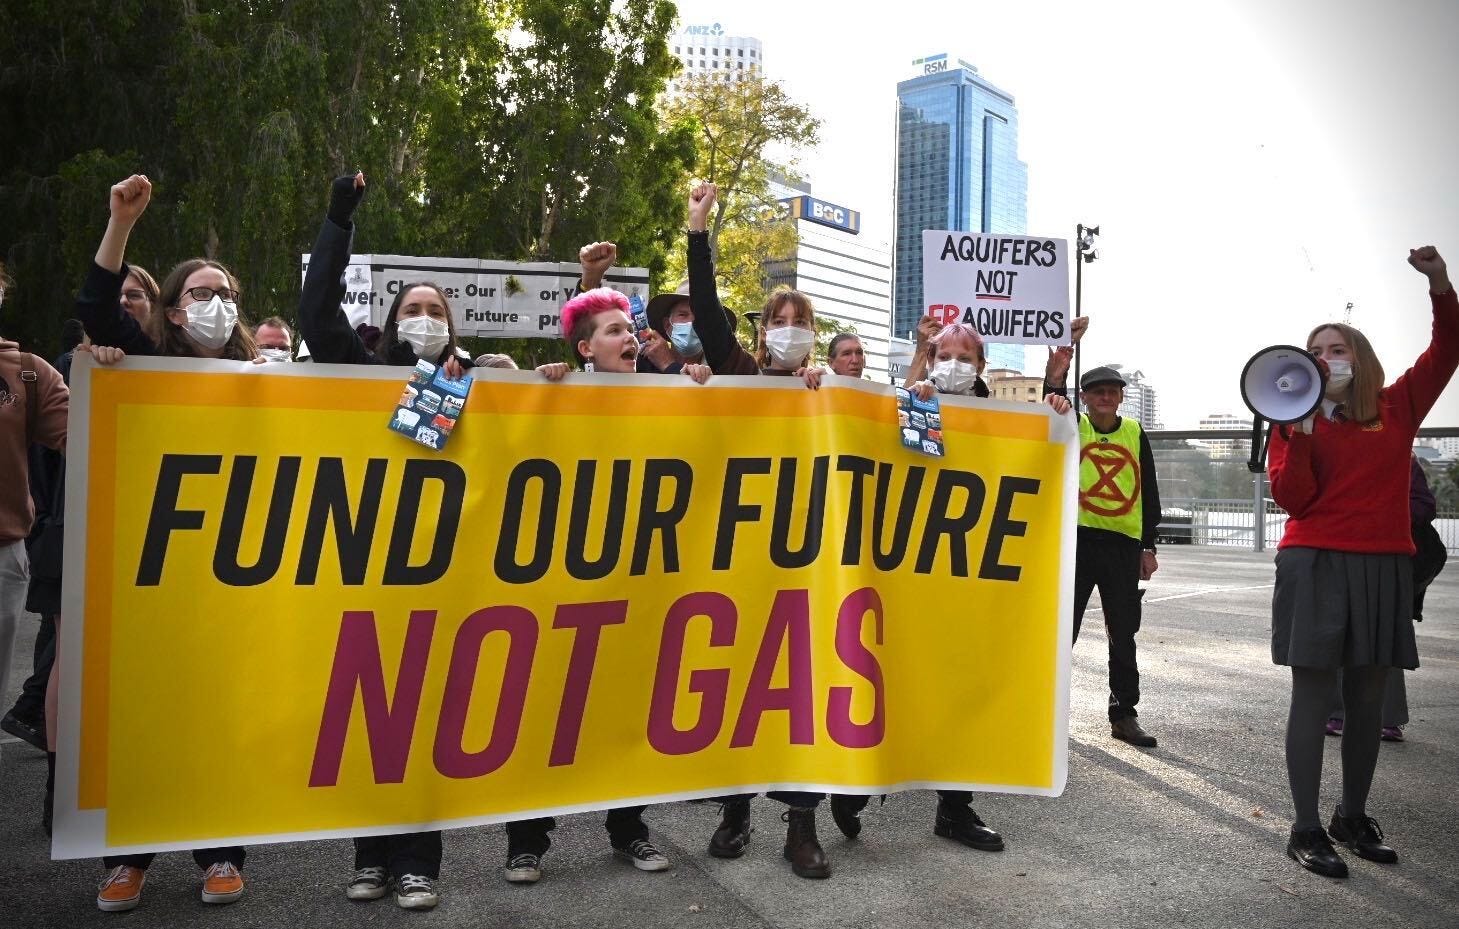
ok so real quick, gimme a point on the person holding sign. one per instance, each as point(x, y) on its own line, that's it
point(597, 326)
point(1119, 511)
point(195, 316)
point(1343, 600)
point(417, 326)
point(787, 331)
point(956, 355)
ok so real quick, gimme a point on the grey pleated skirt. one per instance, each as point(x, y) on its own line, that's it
point(1342, 610)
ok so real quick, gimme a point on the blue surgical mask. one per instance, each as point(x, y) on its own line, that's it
point(685, 339)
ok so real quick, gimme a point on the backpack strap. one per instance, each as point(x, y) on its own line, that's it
point(31, 380)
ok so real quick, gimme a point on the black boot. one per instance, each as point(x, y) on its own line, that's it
point(733, 834)
point(962, 824)
point(1362, 835)
point(846, 811)
point(802, 848)
point(1312, 850)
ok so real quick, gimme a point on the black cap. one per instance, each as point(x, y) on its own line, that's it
point(1101, 375)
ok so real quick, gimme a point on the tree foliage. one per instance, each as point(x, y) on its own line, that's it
point(747, 132)
point(510, 129)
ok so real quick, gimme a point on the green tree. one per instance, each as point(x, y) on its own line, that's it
point(739, 126)
point(514, 129)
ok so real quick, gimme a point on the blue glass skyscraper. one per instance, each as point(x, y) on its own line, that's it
point(957, 168)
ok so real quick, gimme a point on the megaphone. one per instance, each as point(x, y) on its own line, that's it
point(1281, 384)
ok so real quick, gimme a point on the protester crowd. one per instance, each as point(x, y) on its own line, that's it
point(1349, 578)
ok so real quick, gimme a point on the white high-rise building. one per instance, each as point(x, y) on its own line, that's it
point(1140, 402)
point(706, 49)
point(847, 280)
point(1226, 448)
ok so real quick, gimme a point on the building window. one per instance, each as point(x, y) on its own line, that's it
point(715, 51)
point(741, 65)
point(716, 64)
point(742, 53)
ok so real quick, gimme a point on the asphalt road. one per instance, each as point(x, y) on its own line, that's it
point(1188, 834)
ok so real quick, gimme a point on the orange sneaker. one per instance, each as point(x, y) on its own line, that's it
point(222, 883)
point(121, 889)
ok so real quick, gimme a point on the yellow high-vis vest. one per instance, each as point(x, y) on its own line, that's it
point(1109, 478)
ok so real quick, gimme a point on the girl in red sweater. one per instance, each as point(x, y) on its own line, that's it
point(1343, 597)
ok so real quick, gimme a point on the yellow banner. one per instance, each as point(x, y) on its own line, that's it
point(611, 590)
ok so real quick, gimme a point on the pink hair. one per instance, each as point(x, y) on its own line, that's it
point(589, 303)
point(959, 329)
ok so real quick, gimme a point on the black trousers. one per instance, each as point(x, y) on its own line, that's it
point(796, 798)
point(30, 706)
point(1111, 562)
point(407, 853)
point(529, 836)
point(205, 857)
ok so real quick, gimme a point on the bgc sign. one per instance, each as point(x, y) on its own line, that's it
point(827, 214)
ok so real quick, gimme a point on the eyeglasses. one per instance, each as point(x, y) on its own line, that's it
point(136, 296)
point(207, 293)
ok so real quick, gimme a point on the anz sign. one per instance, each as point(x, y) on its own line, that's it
point(827, 214)
point(714, 30)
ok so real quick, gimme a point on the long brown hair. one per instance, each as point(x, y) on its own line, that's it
point(805, 314)
point(172, 339)
point(1362, 402)
point(390, 335)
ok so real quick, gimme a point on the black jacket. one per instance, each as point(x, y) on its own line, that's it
point(99, 307)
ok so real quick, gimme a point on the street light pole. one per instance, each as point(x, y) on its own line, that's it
point(1083, 252)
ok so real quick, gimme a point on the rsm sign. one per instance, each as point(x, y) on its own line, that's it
point(827, 214)
point(932, 64)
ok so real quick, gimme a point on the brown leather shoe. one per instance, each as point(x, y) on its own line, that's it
point(1127, 729)
point(733, 834)
point(802, 848)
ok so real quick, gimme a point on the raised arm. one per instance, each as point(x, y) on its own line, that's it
point(927, 327)
point(1419, 387)
point(722, 351)
point(322, 323)
point(98, 304)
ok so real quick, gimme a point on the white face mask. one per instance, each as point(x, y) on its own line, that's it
point(1339, 376)
point(211, 324)
point(789, 345)
point(954, 377)
point(426, 334)
point(275, 354)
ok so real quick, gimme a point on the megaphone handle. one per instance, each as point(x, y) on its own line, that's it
point(1259, 443)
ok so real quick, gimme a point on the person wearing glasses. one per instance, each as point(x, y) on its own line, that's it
point(196, 312)
point(195, 316)
point(140, 294)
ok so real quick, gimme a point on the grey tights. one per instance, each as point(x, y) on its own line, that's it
point(1312, 689)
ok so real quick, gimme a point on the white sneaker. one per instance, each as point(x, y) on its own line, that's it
point(368, 884)
point(415, 892)
point(643, 855)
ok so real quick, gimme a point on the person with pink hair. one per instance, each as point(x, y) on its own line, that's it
point(597, 326)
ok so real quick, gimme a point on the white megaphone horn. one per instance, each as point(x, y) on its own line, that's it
point(1280, 385)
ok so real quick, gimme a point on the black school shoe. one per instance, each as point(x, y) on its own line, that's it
point(32, 732)
point(1362, 835)
point(961, 824)
point(1313, 850)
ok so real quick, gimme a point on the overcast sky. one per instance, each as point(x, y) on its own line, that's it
point(1253, 166)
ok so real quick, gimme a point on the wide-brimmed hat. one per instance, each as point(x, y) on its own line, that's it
point(661, 304)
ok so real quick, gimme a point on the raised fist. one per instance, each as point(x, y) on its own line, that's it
point(129, 199)
point(596, 258)
point(1428, 262)
point(701, 203)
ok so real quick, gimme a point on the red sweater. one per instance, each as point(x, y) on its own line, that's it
point(1345, 486)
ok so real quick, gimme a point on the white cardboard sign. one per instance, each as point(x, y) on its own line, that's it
point(1011, 288)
